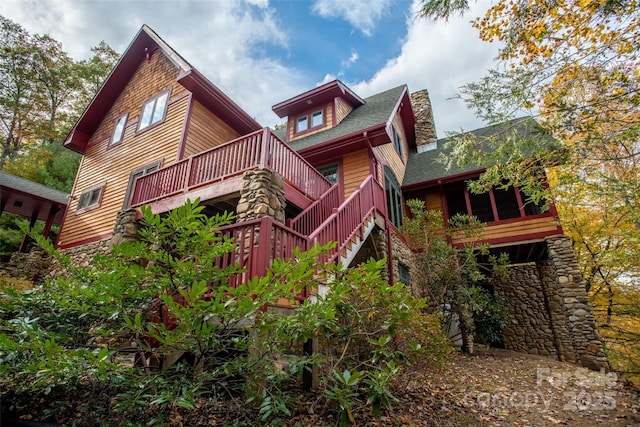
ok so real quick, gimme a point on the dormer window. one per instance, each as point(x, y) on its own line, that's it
point(153, 110)
point(317, 119)
point(302, 124)
point(310, 121)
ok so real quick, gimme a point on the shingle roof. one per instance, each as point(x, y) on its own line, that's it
point(376, 110)
point(424, 167)
point(24, 185)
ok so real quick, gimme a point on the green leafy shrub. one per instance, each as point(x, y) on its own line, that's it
point(164, 303)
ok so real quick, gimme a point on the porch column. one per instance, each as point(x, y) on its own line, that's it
point(26, 239)
point(52, 214)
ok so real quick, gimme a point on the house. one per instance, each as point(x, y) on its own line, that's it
point(159, 133)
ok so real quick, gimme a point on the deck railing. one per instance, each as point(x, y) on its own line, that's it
point(258, 243)
point(259, 149)
point(316, 213)
point(349, 219)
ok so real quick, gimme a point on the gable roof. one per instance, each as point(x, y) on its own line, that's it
point(318, 96)
point(146, 42)
point(375, 113)
point(424, 168)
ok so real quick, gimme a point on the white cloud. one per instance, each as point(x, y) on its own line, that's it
point(353, 58)
point(220, 38)
point(361, 14)
point(439, 57)
point(226, 41)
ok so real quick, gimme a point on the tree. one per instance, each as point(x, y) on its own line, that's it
point(93, 72)
point(451, 278)
point(573, 65)
point(19, 95)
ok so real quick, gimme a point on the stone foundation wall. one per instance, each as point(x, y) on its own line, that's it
point(528, 327)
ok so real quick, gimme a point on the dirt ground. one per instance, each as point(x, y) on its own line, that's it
point(502, 388)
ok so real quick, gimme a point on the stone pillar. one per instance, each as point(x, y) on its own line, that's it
point(261, 194)
point(575, 302)
point(126, 228)
point(425, 127)
point(555, 307)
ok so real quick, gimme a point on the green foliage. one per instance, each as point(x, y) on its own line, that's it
point(165, 297)
point(48, 164)
point(452, 277)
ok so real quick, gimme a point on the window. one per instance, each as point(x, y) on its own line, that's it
point(506, 203)
point(138, 173)
point(153, 110)
point(118, 130)
point(317, 119)
point(302, 124)
point(90, 198)
point(403, 274)
point(397, 141)
point(481, 206)
point(330, 172)
point(310, 121)
point(530, 207)
point(394, 198)
point(494, 205)
point(456, 202)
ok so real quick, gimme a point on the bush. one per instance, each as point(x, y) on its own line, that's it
point(165, 298)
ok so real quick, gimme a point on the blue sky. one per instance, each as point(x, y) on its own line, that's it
point(261, 52)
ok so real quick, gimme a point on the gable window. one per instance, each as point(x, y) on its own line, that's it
point(145, 170)
point(309, 121)
point(394, 198)
point(397, 141)
point(153, 110)
point(90, 198)
point(330, 172)
point(118, 130)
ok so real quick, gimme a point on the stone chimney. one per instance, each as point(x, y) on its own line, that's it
point(426, 136)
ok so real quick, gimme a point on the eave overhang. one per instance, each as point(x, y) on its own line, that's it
point(318, 96)
point(447, 179)
point(147, 43)
point(345, 144)
point(215, 100)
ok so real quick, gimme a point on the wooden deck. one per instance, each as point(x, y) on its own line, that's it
point(218, 172)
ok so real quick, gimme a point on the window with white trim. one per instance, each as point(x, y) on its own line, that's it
point(317, 119)
point(153, 110)
point(90, 198)
point(309, 121)
point(302, 124)
point(118, 130)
